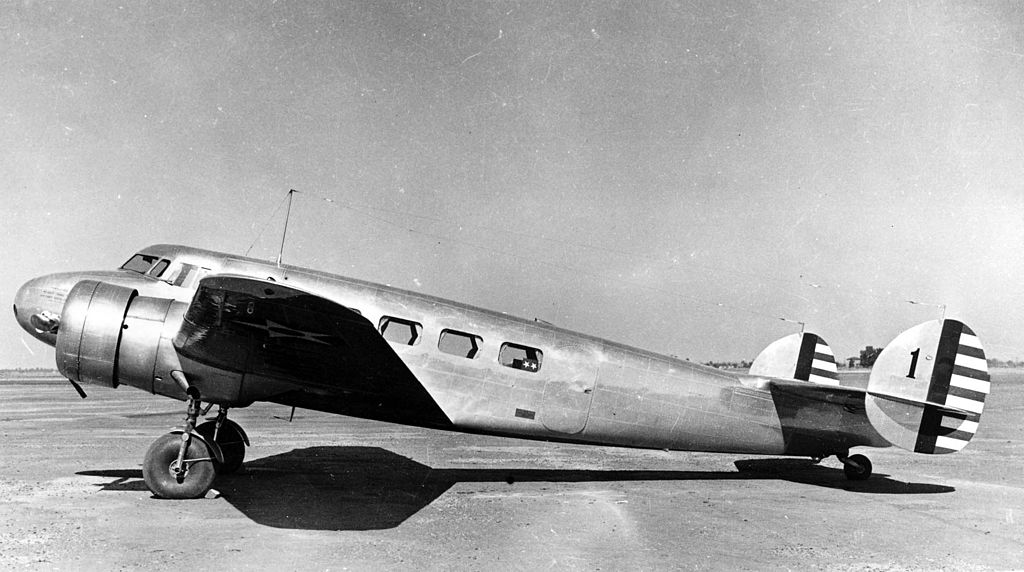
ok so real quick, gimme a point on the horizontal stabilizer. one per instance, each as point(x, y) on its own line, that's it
point(942, 408)
point(928, 387)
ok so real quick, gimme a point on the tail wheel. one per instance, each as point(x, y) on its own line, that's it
point(170, 479)
point(231, 441)
point(857, 467)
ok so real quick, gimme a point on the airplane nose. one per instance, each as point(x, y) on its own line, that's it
point(37, 307)
point(22, 303)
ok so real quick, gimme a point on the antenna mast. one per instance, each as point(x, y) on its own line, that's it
point(940, 306)
point(284, 234)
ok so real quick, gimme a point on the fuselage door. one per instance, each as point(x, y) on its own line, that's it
point(571, 374)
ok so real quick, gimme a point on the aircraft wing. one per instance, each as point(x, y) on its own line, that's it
point(323, 349)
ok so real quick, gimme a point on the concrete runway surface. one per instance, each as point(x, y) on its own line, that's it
point(332, 493)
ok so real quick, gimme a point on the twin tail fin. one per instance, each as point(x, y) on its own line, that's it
point(926, 391)
point(928, 387)
point(804, 356)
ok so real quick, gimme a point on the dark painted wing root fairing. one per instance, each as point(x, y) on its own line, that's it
point(331, 357)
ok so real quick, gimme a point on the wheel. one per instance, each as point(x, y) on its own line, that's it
point(857, 468)
point(231, 443)
point(159, 468)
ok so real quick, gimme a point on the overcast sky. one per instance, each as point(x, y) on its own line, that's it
point(676, 176)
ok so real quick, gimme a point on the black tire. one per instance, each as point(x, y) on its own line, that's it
point(857, 468)
point(230, 441)
point(162, 457)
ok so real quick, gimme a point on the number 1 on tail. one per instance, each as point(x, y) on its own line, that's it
point(913, 362)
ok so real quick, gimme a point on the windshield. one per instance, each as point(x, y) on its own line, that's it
point(140, 263)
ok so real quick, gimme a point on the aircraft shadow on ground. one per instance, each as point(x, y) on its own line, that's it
point(369, 488)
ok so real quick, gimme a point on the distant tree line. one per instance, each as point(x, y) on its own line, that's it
point(869, 354)
point(867, 358)
point(729, 364)
point(28, 372)
point(30, 369)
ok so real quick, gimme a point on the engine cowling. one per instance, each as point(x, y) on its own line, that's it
point(110, 335)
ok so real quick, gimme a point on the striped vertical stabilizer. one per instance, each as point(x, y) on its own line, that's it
point(960, 381)
point(928, 387)
point(802, 356)
point(817, 364)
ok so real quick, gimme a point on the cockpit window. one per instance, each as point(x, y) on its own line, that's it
point(159, 268)
point(140, 263)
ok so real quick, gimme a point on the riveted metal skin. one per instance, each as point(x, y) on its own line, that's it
point(90, 332)
point(140, 340)
point(244, 330)
point(111, 336)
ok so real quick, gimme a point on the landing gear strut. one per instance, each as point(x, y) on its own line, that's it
point(179, 465)
point(184, 463)
point(229, 436)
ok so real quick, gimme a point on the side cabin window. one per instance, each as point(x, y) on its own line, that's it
point(516, 356)
point(459, 343)
point(400, 331)
point(178, 275)
point(185, 275)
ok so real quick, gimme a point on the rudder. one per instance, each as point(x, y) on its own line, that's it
point(927, 388)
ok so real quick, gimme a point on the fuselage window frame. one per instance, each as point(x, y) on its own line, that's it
point(457, 343)
point(398, 327)
point(521, 357)
point(159, 268)
point(180, 274)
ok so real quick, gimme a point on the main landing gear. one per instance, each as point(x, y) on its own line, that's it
point(184, 463)
point(229, 436)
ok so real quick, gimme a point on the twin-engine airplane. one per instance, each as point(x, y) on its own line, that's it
point(202, 326)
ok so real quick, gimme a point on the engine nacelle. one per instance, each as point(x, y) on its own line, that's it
point(110, 335)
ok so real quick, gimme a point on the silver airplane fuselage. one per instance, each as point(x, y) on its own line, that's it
point(567, 386)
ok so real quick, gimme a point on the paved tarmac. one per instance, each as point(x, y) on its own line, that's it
point(332, 493)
